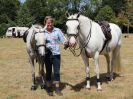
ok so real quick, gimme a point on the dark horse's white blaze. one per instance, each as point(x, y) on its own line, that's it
point(91, 40)
point(35, 46)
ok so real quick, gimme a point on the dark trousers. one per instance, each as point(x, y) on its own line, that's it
point(52, 60)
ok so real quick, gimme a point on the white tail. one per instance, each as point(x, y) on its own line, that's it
point(117, 67)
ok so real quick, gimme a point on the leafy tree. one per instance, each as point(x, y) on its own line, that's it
point(126, 16)
point(116, 5)
point(24, 17)
point(38, 9)
point(106, 13)
point(8, 13)
point(9, 9)
point(92, 7)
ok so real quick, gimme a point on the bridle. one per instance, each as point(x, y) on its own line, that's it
point(77, 34)
point(40, 45)
point(84, 44)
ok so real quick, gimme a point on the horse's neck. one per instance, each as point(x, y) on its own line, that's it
point(90, 30)
point(85, 26)
point(39, 26)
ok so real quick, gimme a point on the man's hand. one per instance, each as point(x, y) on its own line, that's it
point(45, 26)
point(66, 45)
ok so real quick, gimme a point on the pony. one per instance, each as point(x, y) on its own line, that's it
point(35, 46)
point(89, 35)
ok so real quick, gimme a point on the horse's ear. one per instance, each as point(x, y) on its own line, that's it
point(67, 14)
point(35, 29)
point(78, 14)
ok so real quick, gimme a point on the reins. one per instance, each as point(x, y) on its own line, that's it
point(73, 50)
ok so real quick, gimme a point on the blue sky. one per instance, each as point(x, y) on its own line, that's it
point(22, 1)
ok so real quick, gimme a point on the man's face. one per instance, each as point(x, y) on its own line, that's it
point(49, 23)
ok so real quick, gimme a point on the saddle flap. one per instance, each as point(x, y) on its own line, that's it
point(106, 29)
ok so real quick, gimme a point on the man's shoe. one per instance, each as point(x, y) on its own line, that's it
point(58, 92)
point(49, 91)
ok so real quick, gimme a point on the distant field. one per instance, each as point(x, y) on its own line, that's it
point(15, 74)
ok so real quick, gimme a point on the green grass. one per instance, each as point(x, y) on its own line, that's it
point(15, 74)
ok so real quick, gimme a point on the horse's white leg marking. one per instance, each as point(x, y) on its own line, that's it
point(108, 64)
point(97, 70)
point(87, 69)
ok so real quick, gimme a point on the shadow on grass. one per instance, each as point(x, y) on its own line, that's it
point(82, 84)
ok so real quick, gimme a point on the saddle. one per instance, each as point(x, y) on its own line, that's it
point(106, 31)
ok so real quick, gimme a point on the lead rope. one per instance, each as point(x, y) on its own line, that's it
point(73, 50)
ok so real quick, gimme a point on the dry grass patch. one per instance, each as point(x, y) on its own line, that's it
point(15, 74)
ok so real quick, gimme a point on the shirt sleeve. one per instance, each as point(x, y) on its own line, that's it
point(62, 38)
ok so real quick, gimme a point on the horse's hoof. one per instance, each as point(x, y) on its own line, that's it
point(108, 78)
point(88, 87)
point(43, 86)
point(100, 89)
point(33, 88)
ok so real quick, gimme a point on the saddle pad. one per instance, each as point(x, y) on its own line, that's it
point(106, 29)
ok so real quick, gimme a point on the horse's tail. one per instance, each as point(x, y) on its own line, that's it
point(118, 66)
point(25, 35)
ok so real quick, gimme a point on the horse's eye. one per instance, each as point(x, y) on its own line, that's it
point(66, 27)
point(78, 27)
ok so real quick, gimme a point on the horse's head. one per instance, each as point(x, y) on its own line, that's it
point(72, 28)
point(39, 40)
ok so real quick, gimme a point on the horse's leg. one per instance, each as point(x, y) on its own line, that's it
point(87, 69)
point(31, 60)
point(108, 65)
point(97, 70)
point(39, 69)
point(42, 75)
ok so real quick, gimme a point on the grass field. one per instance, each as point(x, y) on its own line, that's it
point(15, 74)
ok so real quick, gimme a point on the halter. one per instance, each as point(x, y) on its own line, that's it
point(84, 43)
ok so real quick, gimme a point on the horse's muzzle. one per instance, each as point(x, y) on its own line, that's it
point(72, 41)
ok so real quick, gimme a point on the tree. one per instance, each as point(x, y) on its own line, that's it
point(106, 13)
point(116, 5)
point(24, 17)
point(92, 7)
point(8, 8)
point(41, 8)
point(125, 17)
point(8, 13)
point(38, 9)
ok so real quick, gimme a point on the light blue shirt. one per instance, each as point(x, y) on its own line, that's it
point(54, 39)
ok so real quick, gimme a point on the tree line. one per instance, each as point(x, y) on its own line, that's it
point(14, 13)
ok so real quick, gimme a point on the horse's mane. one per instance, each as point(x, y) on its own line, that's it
point(38, 26)
point(80, 17)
